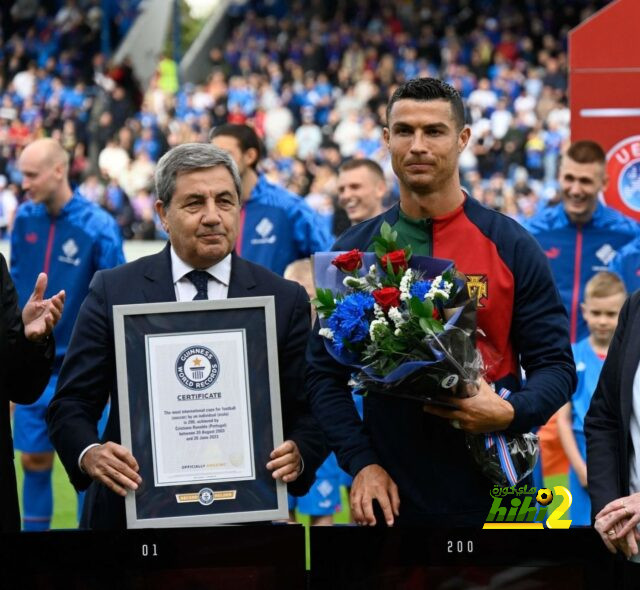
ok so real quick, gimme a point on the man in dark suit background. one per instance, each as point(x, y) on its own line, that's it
point(198, 190)
point(26, 355)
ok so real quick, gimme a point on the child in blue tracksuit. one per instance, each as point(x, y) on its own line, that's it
point(604, 296)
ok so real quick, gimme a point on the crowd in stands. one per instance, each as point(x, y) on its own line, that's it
point(312, 77)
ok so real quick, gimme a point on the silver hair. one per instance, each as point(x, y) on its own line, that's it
point(191, 156)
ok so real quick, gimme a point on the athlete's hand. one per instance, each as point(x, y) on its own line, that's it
point(484, 411)
point(373, 483)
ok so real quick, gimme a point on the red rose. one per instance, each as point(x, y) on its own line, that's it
point(397, 259)
point(387, 297)
point(349, 261)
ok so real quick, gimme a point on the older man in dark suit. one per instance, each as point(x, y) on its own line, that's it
point(199, 205)
point(26, 355)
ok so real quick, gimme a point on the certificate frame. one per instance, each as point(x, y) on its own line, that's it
point(165, 419)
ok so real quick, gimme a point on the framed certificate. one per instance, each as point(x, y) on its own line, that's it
point(199, 403)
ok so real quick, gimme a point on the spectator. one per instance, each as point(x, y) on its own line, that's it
point(278, 227)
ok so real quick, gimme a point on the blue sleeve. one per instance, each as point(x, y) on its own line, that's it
point(627, 265)
point(13, 263)
point(540, 333)
point(310, 234)
point(108, 252)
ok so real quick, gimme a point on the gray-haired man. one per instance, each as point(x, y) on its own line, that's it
point(198, 203)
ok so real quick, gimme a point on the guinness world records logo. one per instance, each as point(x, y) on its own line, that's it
point(623, 170)
point(197, 367)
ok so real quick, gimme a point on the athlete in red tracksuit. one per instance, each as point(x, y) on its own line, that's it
point(398, 443)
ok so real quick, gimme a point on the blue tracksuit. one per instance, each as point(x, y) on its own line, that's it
point(627, 265)
point(577, 253)
point(278, 227)
point(588, 367)
point(70, 248)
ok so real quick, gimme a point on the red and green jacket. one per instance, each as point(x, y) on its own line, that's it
point(526, 329)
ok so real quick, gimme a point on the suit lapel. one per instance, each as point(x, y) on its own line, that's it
point(242, 280)
point(158, 280)
point(629, 367)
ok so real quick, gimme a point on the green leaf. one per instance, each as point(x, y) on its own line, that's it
point(385, 230)
point(408, 253)
point(427, 305)
point(380, 250)
point(417, 308)
point(430, 326)
point(325, 296)
point(390, 268)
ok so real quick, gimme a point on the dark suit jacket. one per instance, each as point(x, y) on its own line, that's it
point(606, 425)
point(24, 372)
point(88, 375)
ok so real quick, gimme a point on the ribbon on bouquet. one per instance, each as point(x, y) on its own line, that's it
point(500, 442)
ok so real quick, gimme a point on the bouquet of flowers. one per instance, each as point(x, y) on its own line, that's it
point(408, 326)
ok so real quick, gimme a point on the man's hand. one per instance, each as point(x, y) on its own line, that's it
point(373, 483)
point(617, 524)
point(483, 412)
point(114, 466)
point(286, 462)
point(39, 315)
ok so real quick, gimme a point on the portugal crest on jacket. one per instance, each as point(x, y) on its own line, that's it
point(478, 287)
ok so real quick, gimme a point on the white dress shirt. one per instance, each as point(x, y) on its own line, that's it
point(217, 287)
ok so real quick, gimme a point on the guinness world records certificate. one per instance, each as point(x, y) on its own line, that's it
point(199, 402)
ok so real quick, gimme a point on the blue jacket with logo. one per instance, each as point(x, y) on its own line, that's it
point(577, 253)
point(70, 248)
point(278, 227)
point(627, 265)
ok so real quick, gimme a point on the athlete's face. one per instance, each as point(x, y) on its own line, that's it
point(41, 175)
point(601, 315)
point(425, 143)
point(242, 159)
point(202, 218)
point(360, 193)
point(581, 184)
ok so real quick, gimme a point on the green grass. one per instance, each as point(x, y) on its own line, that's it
point(64, 496)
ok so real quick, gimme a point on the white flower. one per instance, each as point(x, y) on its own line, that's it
point(327, 333)
point(380, 325)
point(396, 316)
point(373, 270)
point(398, 332)
point(377, 311)
point(439, 288)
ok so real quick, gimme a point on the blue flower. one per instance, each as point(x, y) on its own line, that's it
point(349, 320)
point(420, 289)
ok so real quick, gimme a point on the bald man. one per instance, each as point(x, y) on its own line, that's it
point(59, 232)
